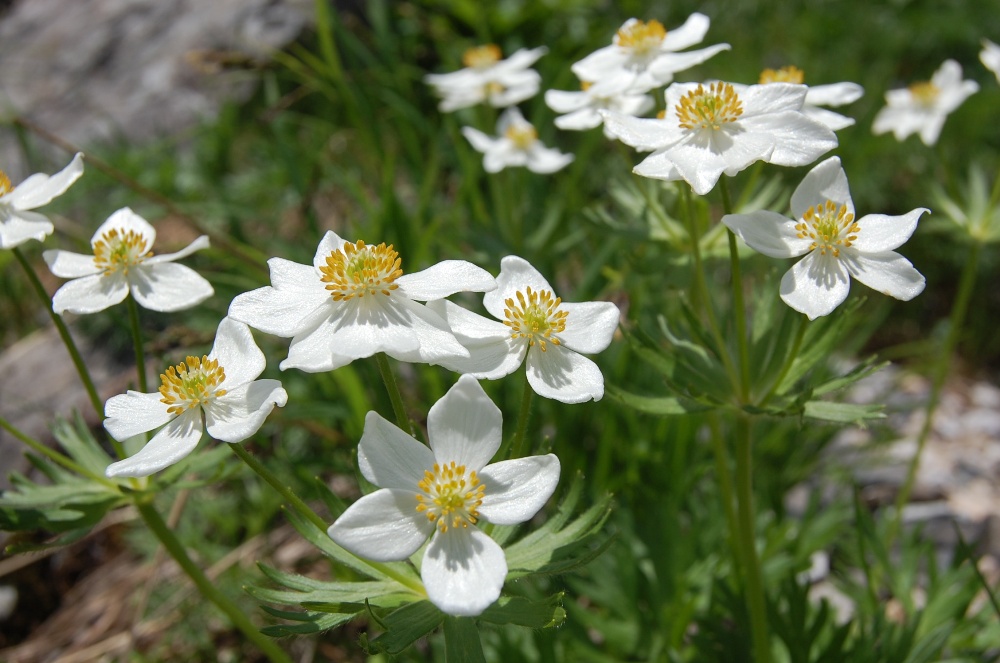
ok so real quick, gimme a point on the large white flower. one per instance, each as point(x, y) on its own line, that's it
point(354, 301)
point(990, 57)
point(123, 262)
point(835, 245)
point(487, 78)
point(516, 144)
point(441, 492)
point(831, 94)
point(537, 326)
point(580, 109)
point(923, 107)
point(17, 223)
point(712, 129)
point(218, 392)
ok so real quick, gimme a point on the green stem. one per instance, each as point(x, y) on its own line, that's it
point(789, 361)
point(389, 379)
point(725, 478)
point(173, 546)
point(140, 355)
point(54, 455)
point(753, 578)
point(739, 308)
point(517, 445)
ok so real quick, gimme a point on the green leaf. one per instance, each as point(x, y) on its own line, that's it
point(461, 639)
point(847, 413)
point(407, 625)
point(522, 611)
point(658, 405)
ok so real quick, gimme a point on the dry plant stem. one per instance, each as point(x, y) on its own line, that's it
point(140, 355)
point(389, 379)
point(54, 455)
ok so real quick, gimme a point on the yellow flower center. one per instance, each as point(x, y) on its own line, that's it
point(701, 109)
point(925, 92)
point(585, 85)
point(191, 383)
point(522, 135)
point(117, 251)
point(480, 57)
point(535, 316)
point(450, 496)
point(788, 74)
point(359, 270)
point(641, 37)
point(5, 185)
point(829, 226)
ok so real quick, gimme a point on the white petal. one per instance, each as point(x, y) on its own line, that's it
point(237, 353)
point(390, 458)
point(68, 265)
point(521, 59)
point(242, 411)
point(544, 160)
point(175, 441)
point(691, 32)
point(931, 130)
point(516, 274)
point(445, 279)
point(168, 287)
point(40, 189)
point(383, 526)
point(590, 326)
point(580, 120)
point(641, 133)
point(20, 226)
point(464, 426)
point(768, 232)
point(564, 375)
point(492, 352)
point(312, 349)
point(834, 94)
point(285, 308)
point(798, 141)
point(880, 232)
point(888, 272)
point(124, 220)
point(197, 245)
point(815, 285)
point(666, 65)
point(516, 91)
point(134, 412)
point(90, 294)
point(479, 141)
point(329, 243)
point(600, 64)
point(829, 119)
point(564, 101)
point(517, 489)
point(826, 181)
point(463, 571)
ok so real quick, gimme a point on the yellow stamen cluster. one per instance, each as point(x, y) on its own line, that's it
point(5, 185)
point(480, 57)
point(535, 316)
point(788, 74)
point(522, 135)
point(450, 496)
point(925, 92)
point(642, 37)
point(191, 383)
point(829, 226)
point(118, 251)
point(359, 270)
point(701, 109)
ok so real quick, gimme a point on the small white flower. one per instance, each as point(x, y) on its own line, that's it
point(708, 130)
point(831, 94)
point(580, 109)
point(990, 57)
point(354, 301)
point(17, 223)
point(218, 392)
point(441, 492)
point(123, 262)
point(836, 247)
point(487, 78)
point(923, 107)
point(516, 144)
point(538, 327)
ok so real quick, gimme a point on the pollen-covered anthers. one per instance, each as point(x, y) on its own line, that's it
point(787, 74)
point(925, 92)
point(191, 383)
point(829, 226)
point(701, 109)
point(118, 250)
point(535, 316)
point(480, 57)
point(450, 496)
point(641, 37)
point(522, 135)
point(5, 185)
point(359, 270)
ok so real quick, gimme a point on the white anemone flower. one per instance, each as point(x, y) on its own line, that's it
point(218, 392)
point(354, 301)
point(536, 327)
point(441, 492)
point(488, 78)
point(580, 110)
point(830, 94)
point(123, 262)
point(17, 223)
point(711, 129)
point(516, 144)
point(990, 57)
point(835, 245)
point(645, 53)
point(923, 107)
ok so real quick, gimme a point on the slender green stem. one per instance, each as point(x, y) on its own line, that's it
point(54, 455)
point(67, 340)
point(461, 641)
point(753, 578)
point(173, 546)
point(140, 355)
point(389, 379)
point(739, 307)
point(789, 361)
point(527, 393)
point(725, 479)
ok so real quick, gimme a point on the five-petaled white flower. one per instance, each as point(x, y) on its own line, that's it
point(538, 327)
point(712, 129)
point(17, 223)
point(487, 78)
point(990, 57)
point(354, 301)
point(831, 94)
point(123, 262)
point(441, 492)
point(580, 109)
point(516, 144)
point(923, 107)
point(838, 246)
point(218, 392)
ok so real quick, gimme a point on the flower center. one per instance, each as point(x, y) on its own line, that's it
point(480, 57)
point(788, 74)
point(641, 37)
point(536, 317)
point(191, 383)
point(5, 185)
point(116, 251)
point(523, 136)
point(925, 93)
point(701, 109)
point(829, 227)
point(359, 270)
point(450, 495)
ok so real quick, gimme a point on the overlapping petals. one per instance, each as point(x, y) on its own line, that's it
point(500, 83)
point(17, 223)
point(580, 110)
point(990, 57)
point(516, 144)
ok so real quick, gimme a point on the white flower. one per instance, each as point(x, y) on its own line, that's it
point(835, 245)
point(644, 53)
point(831, 94)
point(537, 326)
point(581, 108)
point(123, 262)
point(487, 78)
point(923, 106)
point(712, 129)
point(990, 57)
point(354, 301)
point(441, 492)
point(17, 223)
point(516, 144)
point(218, 392)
